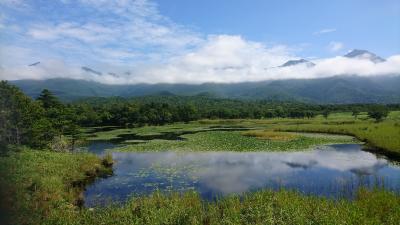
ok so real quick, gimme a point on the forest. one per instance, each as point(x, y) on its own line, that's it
point(45, 120)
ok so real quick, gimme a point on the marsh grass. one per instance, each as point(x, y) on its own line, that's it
point(385, 135)
point(232, 141)
point(261, 138)
point(264, 207)
point(35, 183)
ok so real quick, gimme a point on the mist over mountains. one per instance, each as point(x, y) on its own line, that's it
point(336, 90)
point(341, 89)
point(207, 67)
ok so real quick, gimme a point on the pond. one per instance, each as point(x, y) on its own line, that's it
point(332, 171)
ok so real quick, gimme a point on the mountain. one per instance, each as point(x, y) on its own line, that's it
point(297, 62)
point(89, 70)
point(336, 90)
point(67, 89)
point(355, 54)
point(364, 54)
point(34, 64)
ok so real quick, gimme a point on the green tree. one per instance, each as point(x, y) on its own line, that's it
point(325, 114)
point(18, 113)
point(48, 100)
point(355, 112)
point(378, 113)
point(187, 113)
point(73, 130)
point(43, 133)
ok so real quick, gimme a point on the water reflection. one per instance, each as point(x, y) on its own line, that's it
point(336, 170)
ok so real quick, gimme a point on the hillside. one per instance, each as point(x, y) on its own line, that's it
point(339, 89)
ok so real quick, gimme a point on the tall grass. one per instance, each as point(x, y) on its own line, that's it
point(35, 183)
point(264, 207)
point(384, 135)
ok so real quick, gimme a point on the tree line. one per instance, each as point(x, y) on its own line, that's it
point(45, 121)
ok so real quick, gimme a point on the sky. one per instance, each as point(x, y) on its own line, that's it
point(187, 41)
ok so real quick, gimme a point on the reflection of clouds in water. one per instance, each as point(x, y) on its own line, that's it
point(229, 172)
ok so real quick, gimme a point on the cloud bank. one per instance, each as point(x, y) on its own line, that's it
point(131, 42)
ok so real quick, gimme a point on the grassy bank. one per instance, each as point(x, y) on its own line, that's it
point(35, 184)
point(385, 135)
point(265, 207)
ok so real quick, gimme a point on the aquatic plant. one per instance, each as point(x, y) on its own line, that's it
point(271, 135)
point(233, 141)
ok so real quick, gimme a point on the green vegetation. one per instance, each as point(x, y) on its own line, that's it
point(41, 123)
point(336, 90)
point(384, 135)
point(165, 109)
point(272, 135)
point(378, 113)
point(47, 123)
point(265, 207)
point(36, 184)
point(44, 188)
point(232, 141)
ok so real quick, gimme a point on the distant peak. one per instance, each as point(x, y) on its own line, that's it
point(297, 62)
point(364, 54)
point(89, 70)
point(34, 64)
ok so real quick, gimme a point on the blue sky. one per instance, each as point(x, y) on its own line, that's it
point(194, 41)
point(365, 24)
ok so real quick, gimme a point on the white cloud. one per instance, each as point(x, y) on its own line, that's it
point(221, 58)
point(324, 31)
point(88, 33)
point(125, 26)
point(13, 3)
point(363, 67)
point(121, 36)
point(335, 46)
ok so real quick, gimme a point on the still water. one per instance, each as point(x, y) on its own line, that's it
point(332, 171)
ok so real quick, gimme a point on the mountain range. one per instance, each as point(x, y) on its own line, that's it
point(335, 90)
point(354, 54)
point(331, 90)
